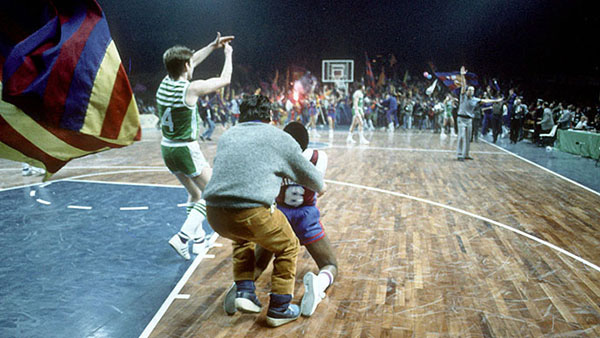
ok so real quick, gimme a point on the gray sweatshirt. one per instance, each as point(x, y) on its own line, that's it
point(251, 160)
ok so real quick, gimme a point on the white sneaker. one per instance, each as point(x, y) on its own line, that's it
point(363, 140)
point(200, 247)
point(180, 247)
point(311, 297)
point(38, 171)
point(26, 172)
point(349, 139)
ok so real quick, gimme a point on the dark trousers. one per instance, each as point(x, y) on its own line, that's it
point(496, 126)
point(487, 117)
point(537, 130)
point(392, 117)
point(515, 130)
point(474, 134)
point(521, 130)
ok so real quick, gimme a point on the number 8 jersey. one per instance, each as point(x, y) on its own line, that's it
point(179, 122)
point(292, 195)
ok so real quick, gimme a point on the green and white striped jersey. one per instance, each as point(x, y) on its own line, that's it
point(358, 99)
point(179, 122)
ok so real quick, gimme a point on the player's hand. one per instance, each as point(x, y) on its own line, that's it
point(220, 41)
point(463, 70)
point(323, 190)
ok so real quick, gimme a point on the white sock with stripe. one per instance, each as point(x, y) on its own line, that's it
point(192, 227)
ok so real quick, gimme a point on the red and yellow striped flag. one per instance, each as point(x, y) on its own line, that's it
point(65, 93)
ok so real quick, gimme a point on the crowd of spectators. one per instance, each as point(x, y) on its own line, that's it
point(403, 104)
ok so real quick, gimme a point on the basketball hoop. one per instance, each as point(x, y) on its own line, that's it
point(338, 72)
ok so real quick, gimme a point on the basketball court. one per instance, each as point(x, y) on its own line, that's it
point(427, 246)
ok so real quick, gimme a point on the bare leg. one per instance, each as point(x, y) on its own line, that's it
point(361, 137)
point(359, 123)
point(195, 185)
point(315, 285)
point(354, 123)
point(330, 120)
point(322, 252)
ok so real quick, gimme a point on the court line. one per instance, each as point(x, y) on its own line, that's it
point(544, 168)
point(175, 292)
point(82, 207)
point(114, 167)
point(113, 172)
point(416, 150)
point(133, 208)
point(76, 179)
point(21, 186)
point(548, 244)
point(73, 179)
point(94, 167)
point(464, 212)
point(182, 296)
point(39, 200)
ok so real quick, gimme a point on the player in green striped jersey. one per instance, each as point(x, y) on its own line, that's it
point(357, 115)
point(176, 100)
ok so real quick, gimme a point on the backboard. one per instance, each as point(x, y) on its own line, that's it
point(337, 71)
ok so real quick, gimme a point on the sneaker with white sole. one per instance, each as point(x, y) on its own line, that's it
point(247, 302)
point(278, 318)
point(199, 247)
point(38, 171)
point(229, 301)
point(349, 139)
point(311, 297)
point(180, 247)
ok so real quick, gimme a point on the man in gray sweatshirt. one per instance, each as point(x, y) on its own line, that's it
point(251, 160)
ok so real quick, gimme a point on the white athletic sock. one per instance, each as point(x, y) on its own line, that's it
point(323, 280)
point(192, 227)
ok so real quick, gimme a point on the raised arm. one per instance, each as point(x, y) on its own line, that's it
point(463, 80)
point(204, 52)
point(201, 87)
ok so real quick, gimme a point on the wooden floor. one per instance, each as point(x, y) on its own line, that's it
point(426, 244)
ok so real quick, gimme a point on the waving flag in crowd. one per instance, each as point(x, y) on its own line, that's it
point(493, 83)
point(65, 93)
point(369, 71)
point(382, 78)
point(452, 80)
